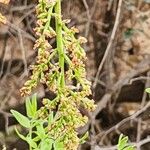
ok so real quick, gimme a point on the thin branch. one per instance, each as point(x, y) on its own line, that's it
point(23, 52)
point(110, 42)
point(135, 115)
point(140, 68)
point(139, 78)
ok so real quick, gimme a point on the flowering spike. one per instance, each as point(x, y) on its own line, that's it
point(50, 70)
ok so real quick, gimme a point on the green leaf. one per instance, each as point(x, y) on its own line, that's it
point(50, 118)
point(31, 106)
point(34, 103)
point(58, 145)
point(36, 139)
point(24, 121)
point(28, 107)
point(40, 131)
point(129, 148)
point(31, 142)
point(148, 90)
point(46, 144)
point(42, 15)
point(28, 139)
point(84, 137)
point(20, 135)
point(36, 148)
point(123, 143)
point(129, 33)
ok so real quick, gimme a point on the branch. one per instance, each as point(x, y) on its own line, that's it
point(110, 43)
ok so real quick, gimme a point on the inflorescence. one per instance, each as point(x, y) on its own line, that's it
point(57, 67)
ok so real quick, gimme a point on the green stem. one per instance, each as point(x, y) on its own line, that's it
point(59, 39)
point(49, 17)
point(30, 134)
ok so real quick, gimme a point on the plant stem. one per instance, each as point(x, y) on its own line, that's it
point(30, 134)
point(49, 17)
point(59, 39)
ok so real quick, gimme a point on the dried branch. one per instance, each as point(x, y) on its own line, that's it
point(110, 42)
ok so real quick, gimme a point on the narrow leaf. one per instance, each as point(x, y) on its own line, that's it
point(148, 90)
point(34, 103)
point(40, 131)
point(84, 137)
point(20, 135)
point(24, 121)
point(50, 118)
point(29, 107)
point(31, 142)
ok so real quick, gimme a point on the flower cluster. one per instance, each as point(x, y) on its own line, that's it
point(45, 51)
point(3, 18)
point(4, 1)
point(57, 67)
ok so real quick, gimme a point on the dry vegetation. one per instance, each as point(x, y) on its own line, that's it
point(118, 65)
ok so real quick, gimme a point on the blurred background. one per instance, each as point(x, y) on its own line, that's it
point(118, 65)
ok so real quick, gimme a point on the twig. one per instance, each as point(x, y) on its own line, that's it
point(24, 33)
point(89, 15)
point(140, 68)
point(23, 53)
point(110, 42)
point(142, 105)
point(147, 84)
point(22, 8)
point(4, 53)
point(138, 136)
point(6, 115)
point(139, 78)
point(135, 115)
point(110, 4)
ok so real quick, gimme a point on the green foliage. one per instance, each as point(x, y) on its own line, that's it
point(84, 137)
point(37, 136)
point(24, 121)
point(50, 70)
point(129, 33)
point(148, 90)
point(31, 106)
point(123, 143)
